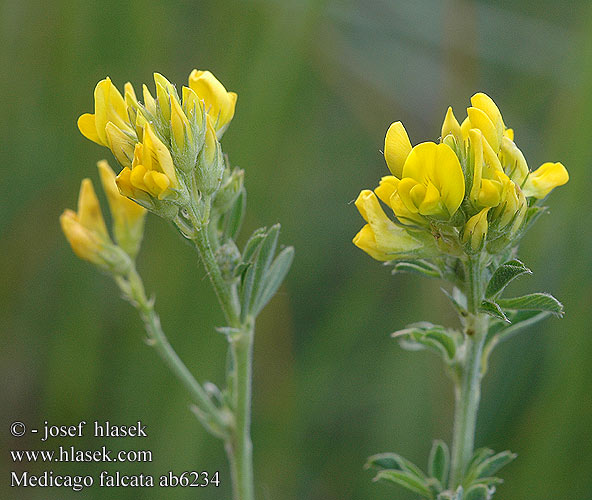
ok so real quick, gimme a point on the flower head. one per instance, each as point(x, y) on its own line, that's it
point(470, 188)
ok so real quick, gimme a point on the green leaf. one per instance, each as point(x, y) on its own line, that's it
point(503, 275)
point(493, 309)
point(253, 244)
point(262, 261)
point(534, 302)
point(478, 457)
point(478, 492)
point(439, 461)
point(437, 338)
point(418, 267)
point(274, 278)
point(487, 465)
point(394, 461)
point(491, 465)
point(407, 480)
point(233, 219)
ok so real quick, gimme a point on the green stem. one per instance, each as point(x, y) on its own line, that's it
point(133, 288)
point(467, 394)
point(467, 389)
point(239, 447)
point(225, 294)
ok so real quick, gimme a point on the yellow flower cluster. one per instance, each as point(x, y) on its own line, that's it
point(86, 230)
point(155, 140)
point(476, 178)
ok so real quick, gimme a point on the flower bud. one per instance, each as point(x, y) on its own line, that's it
point(87, 233)
point(475, 231)
point(228, 257)
point(210, 164)
point(128, 217)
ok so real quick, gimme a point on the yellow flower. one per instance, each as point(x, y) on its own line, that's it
point(488, 176)
point(110, 107)
point(219, 103)
point(381, 238)
point(152, 170)
point(450, 126)
point(85, 230)
point(180, 126)
point(512, 208)
point(548, 176)
point(388, 194)
point(396, 148)
point(128, 217)
point(513, 161)
point(475, 230)
point(432, 181)
point(485, 116)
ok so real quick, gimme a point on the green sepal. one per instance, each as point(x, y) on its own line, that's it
point(503, 275)
point(493, 309)
point(418, 336)
point(439, 462)
point(534, 302)
point(422, 267)
point(407, 480)
point(479, 492)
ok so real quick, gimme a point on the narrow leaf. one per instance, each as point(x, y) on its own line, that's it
point(394, 461)
point(407, 480)
point(417, 267)
point(233, 219)
point(477, 492)
point(493, 309)
point(534, 302)
point(503, 275)
point(478, 457)
point(443, 341)
point(439, 461)
point(493, 464)
point(274, 278)
point(253, 243)
point(263, 260)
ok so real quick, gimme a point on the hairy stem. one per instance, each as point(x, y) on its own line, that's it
point(467, 388)
point(467, 394)
point(238, 445)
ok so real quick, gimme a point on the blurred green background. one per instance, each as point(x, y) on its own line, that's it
point(318, 82)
